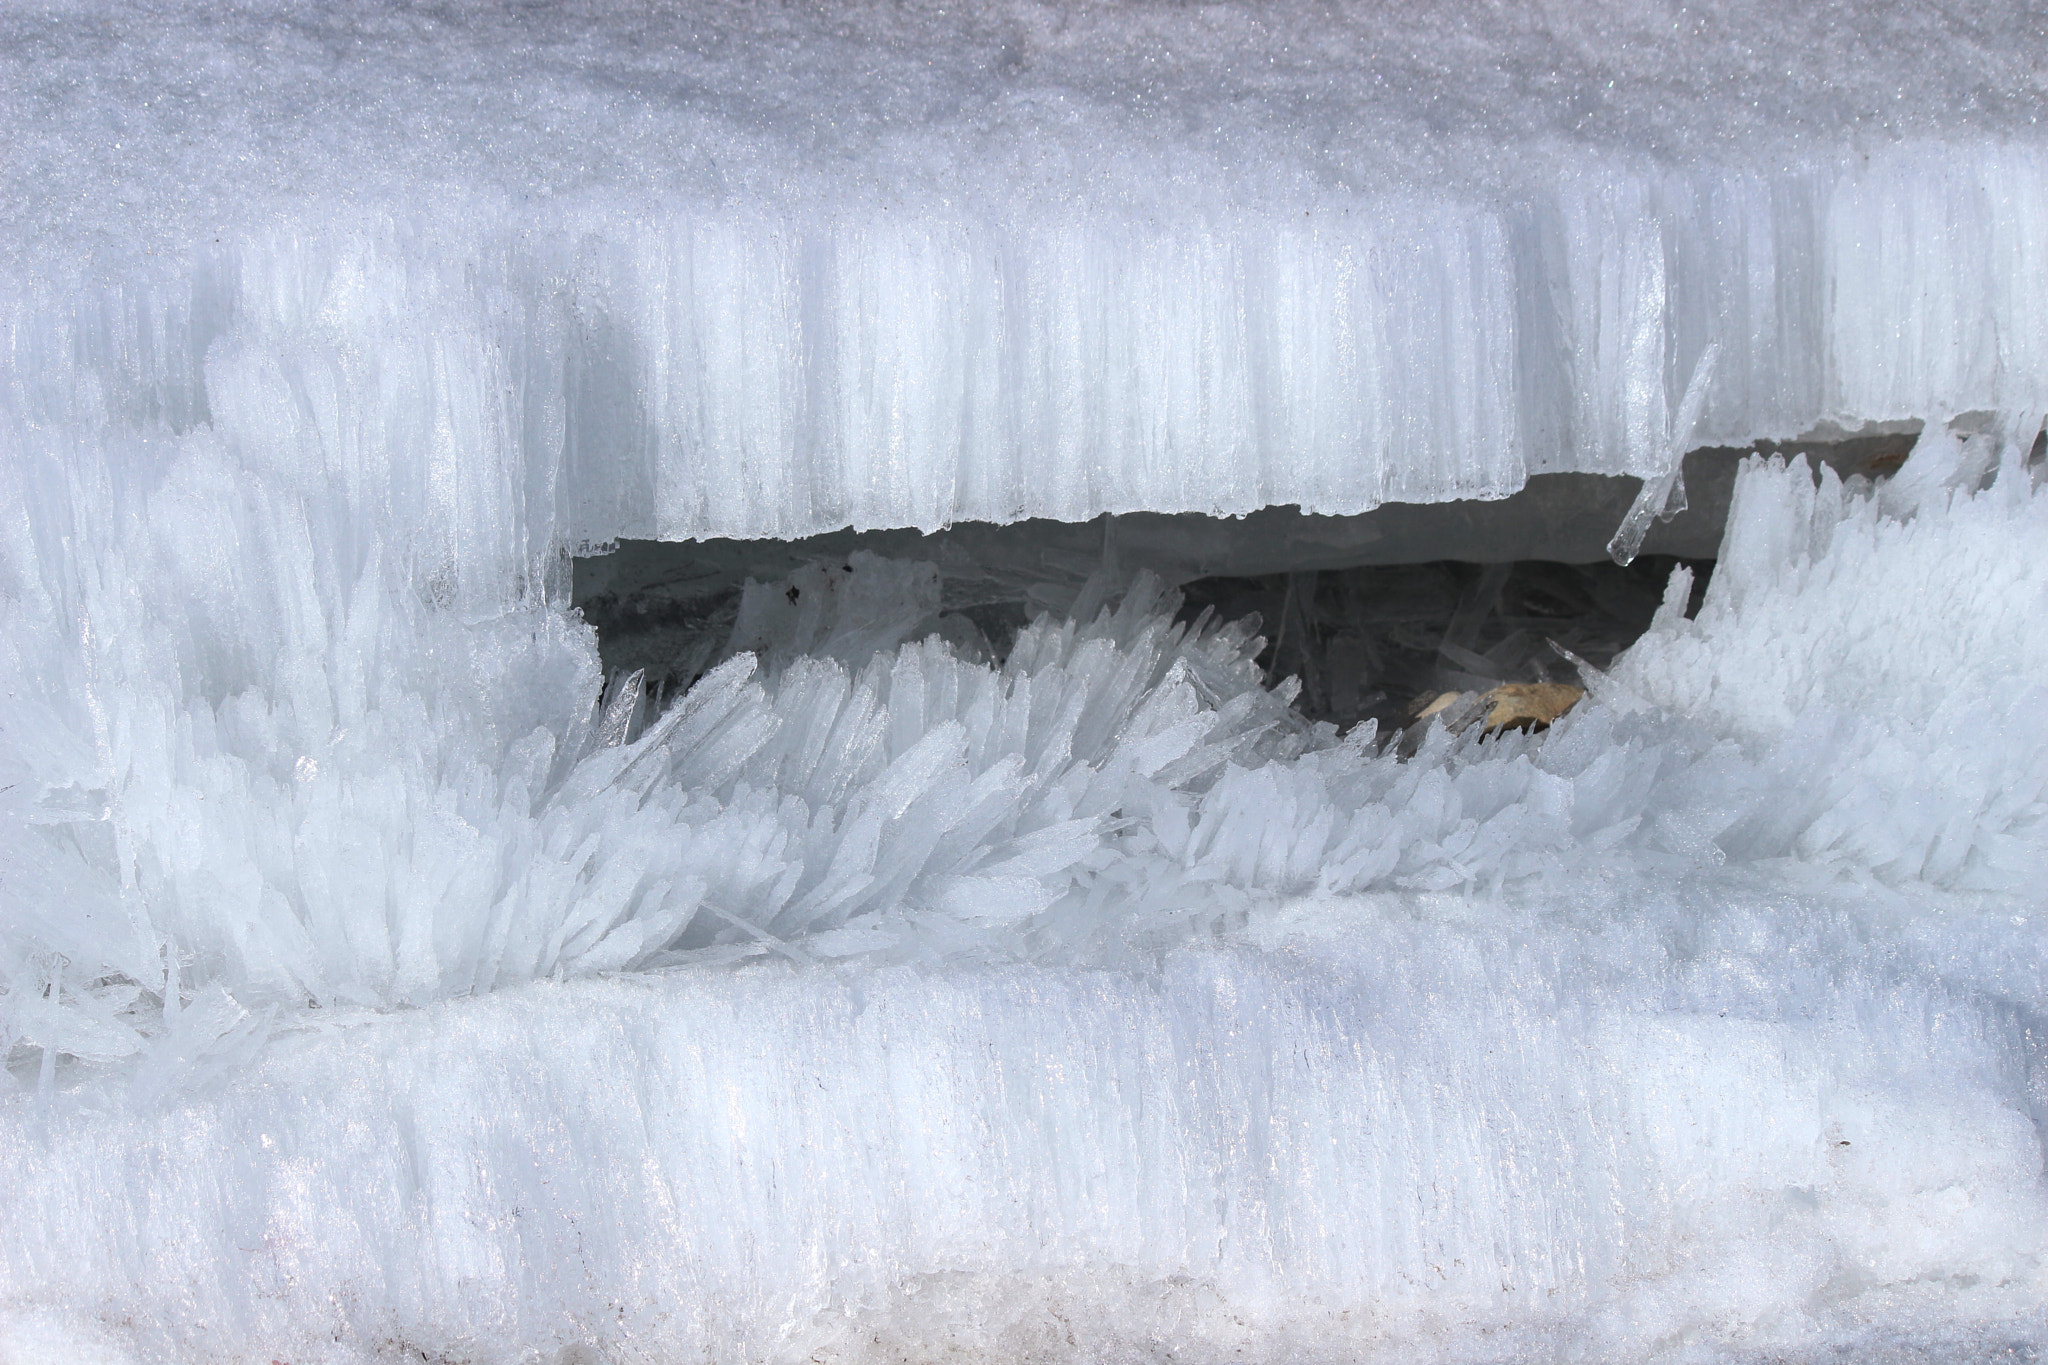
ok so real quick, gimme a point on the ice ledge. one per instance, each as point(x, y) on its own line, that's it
point(746, 271)
point(732, 372)
point(1299, 1145)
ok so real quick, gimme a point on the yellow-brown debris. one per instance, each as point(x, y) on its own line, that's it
point(1529, 706)
point(1511, 706)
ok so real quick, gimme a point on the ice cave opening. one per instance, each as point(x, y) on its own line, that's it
point(1374, 613)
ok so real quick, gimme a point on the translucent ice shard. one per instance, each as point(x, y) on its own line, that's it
point(1663, 491)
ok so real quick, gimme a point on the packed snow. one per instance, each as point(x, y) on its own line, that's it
point(381, 980)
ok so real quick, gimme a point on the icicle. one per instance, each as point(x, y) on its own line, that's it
point(1663, 493)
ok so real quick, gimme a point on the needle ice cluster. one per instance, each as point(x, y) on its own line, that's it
point(356, 796)
point(1904, 720)
point(375, 982)
point(1091, 1004)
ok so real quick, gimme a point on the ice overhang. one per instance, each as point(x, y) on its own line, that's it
point(739, 271)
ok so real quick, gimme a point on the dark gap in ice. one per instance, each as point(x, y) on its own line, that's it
point(1374, 642)
point(1371, 611)
point(1365, 640)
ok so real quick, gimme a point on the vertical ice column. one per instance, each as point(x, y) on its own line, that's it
point(1938, 272)
point(912, 372)
point(733, 371)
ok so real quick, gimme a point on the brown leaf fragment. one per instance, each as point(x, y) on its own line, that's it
point(1510, 706)
point(1529, 706)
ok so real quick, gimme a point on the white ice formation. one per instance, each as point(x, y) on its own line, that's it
point(374, 986)
point(732, 269)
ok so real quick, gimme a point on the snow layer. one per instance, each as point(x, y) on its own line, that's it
point(1403, 1131)
point(755, 271)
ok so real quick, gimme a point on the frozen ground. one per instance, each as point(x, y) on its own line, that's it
point(377, 984)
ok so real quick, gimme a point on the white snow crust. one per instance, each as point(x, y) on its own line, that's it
point(760, 270)
point(377, 984)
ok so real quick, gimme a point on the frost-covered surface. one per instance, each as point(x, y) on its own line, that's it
point(373, 987)
point(1907, 720)
point(757, 270)
point(1088, 1002)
